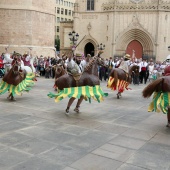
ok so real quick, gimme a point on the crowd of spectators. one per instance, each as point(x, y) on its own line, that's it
point(148, 69)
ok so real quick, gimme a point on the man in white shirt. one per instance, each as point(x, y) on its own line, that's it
point(86, 61)
point(125, 63)
point(75, 66)
point(143, 73)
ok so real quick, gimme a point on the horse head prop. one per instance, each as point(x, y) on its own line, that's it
point(59, 71)
point(92, 66)
point(119, 79)
point(15, 75)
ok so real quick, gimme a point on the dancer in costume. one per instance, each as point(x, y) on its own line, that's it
point(75, 67)
point(80, 85)
point(16, 80)
point(161, 89)
point(120, 77)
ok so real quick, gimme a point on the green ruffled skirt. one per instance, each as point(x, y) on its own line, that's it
point(25, 85)
point(87, 92)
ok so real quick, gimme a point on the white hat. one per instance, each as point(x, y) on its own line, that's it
point(127, 56)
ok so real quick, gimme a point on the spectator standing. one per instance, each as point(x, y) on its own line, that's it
point(143, 72)
point(110, 65)
point(41, 66)
point(151, 71)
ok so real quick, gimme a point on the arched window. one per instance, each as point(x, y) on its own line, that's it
point(90, 5)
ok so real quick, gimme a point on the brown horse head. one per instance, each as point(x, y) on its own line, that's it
point(92, 66)
point(16, 66)
point(59, 71)
point(134, 70)
point(15, 75)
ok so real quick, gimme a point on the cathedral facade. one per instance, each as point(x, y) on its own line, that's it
point(28, 24)
point(136, 27)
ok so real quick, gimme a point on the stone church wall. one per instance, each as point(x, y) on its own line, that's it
point(116, 23)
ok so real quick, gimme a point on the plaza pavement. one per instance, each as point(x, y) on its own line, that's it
point(35, 133)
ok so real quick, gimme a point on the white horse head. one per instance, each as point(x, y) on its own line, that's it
point(27, 68)
point(7, 58)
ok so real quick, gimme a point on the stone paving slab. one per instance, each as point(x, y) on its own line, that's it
point(152, 156)
point(130, 167)
point(119, 134)
point(35, 163)
point(64, 155)
point(35, 146)
point(127, 142)
point(139, 134)
point(13, 138)
point(10, 157)
point(10, 126)
point(68, 168)
point(92, 161)
point(115, 129)
point(114, 152)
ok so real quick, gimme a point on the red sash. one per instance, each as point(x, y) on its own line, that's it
point(143, 68)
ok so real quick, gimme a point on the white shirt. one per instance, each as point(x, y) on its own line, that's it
point(144, 64)
point(151, 68)
point(72, 64)
point(83, 64)
point(125, 66)
point(27, 58)
point(139, 64)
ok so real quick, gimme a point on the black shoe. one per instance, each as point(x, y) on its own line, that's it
point(67, 111)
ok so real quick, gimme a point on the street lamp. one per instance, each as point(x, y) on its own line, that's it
point(101, 46)
point(73, 36)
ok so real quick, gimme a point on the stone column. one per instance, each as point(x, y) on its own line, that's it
point(29, 23)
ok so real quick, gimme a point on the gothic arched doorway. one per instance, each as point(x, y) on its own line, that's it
point(89, 49)
point(137, 47)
